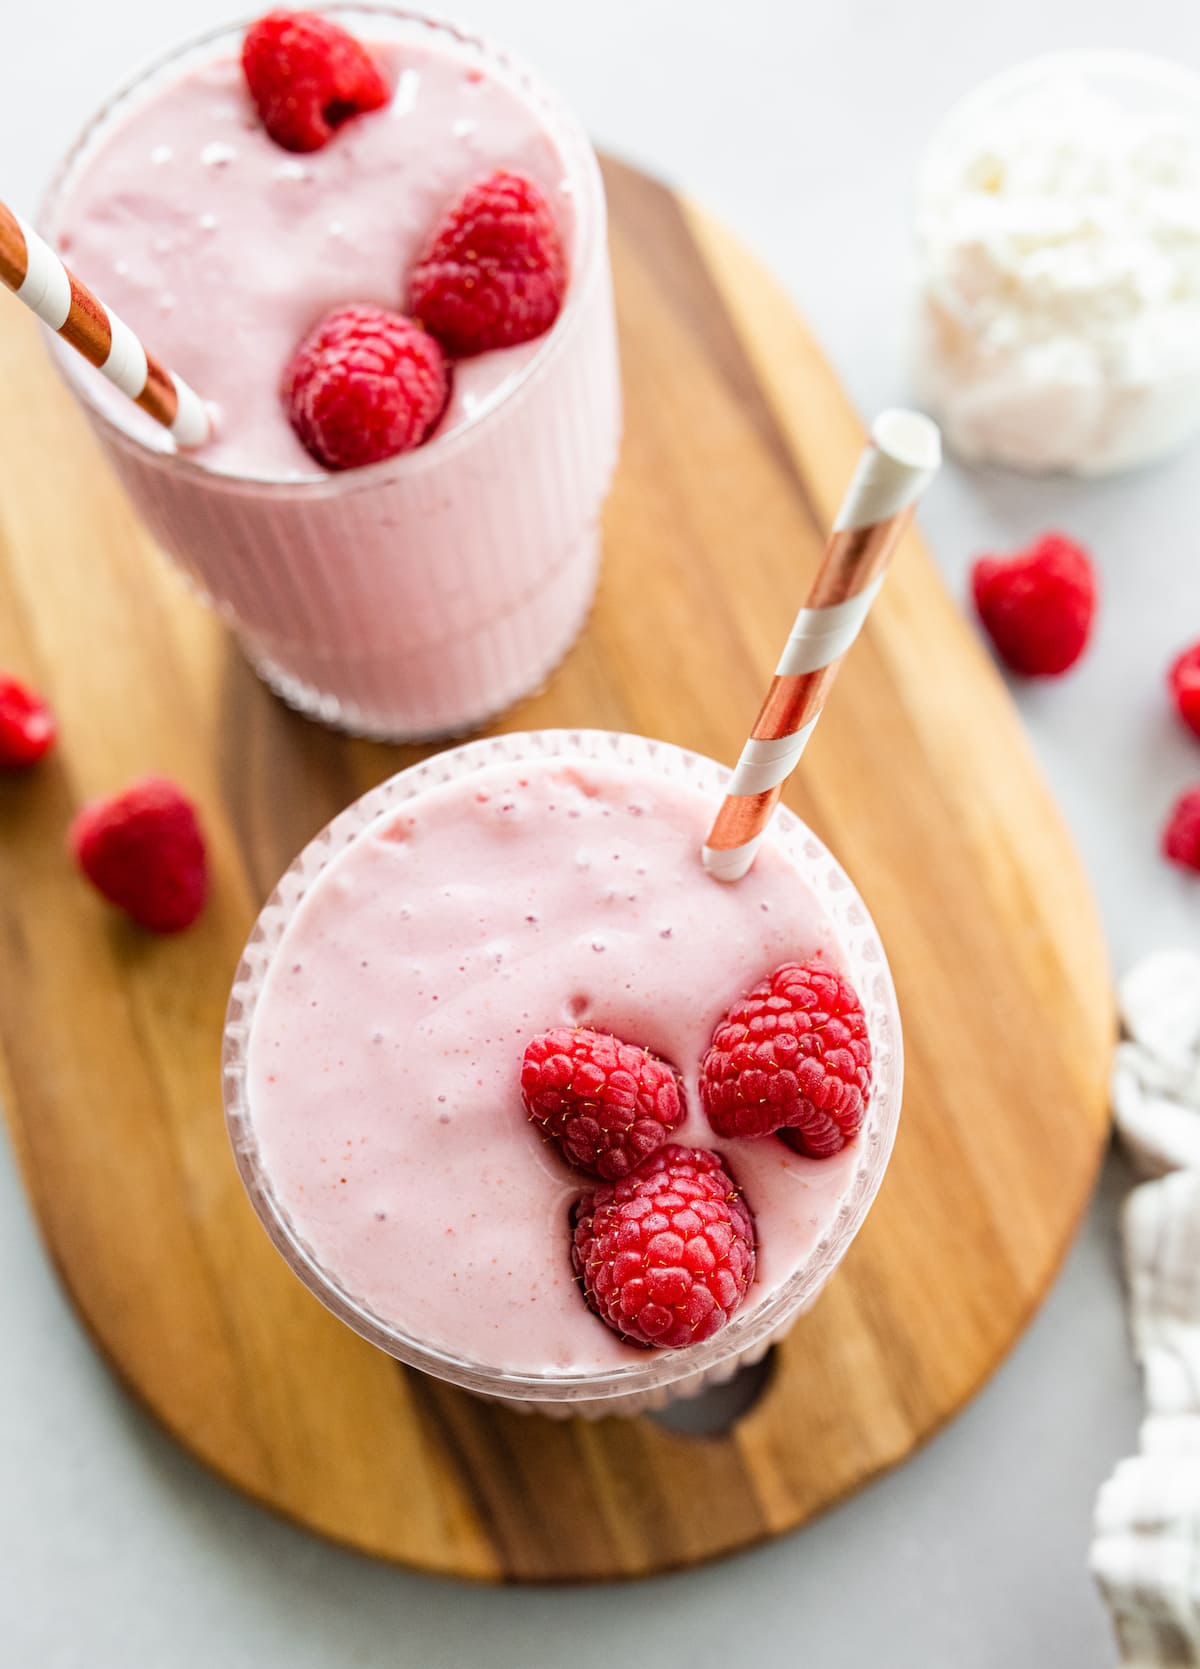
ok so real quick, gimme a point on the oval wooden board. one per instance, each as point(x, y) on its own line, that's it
point(739, 442)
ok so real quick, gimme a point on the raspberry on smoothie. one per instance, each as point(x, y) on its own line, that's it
point(792, 1058)
point(361, 174)
point(494, 274)
point(666, 1256)
point(534, 952)
point(364, 386)
point(307, 77)
point(236, 205)
point(607, 1104)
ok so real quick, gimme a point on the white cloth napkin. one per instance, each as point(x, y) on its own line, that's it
point(1156, 1079)
point(1146, 1547)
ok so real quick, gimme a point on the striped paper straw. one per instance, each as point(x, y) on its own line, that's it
point(34, 273)
point(893, 472)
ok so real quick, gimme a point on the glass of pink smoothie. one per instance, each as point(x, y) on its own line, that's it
point(407, 599)
point(373, 1051)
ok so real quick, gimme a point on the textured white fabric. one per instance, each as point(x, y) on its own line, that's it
point(1156, 1078)
point(1146, 1546)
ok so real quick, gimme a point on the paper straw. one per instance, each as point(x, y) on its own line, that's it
point(34, 273)
point(894, 470)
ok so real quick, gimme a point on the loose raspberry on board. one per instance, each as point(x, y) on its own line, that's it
point(27, 727)
point(144, 852)
point(666, 1255)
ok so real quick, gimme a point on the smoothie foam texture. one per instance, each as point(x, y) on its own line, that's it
point(190, 178)
point(384, 1063)
point(419, 597)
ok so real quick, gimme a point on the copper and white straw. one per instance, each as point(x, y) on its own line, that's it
point(894, 470)
point(34, 273)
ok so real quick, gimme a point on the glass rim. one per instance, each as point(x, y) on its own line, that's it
point(866, 963)
point(587, 257)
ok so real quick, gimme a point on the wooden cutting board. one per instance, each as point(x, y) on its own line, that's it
point(739, 442)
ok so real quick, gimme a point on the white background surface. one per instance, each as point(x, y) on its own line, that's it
point(801, 124)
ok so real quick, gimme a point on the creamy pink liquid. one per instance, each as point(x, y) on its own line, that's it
point(422, 595)
point(223, 250)
point(384, 1060)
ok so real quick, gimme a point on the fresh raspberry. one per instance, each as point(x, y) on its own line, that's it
point(607, 1104)
point(494, 273)
point(1185, 687)
point(666, 1255)
point(364, 386)
point(1038, 605)
point(27, 727)
point(1181, 837)
point(307, 77)
point(144, 852)
point(792, 1054)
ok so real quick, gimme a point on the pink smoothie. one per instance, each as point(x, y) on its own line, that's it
point(382, 1076)
point(224, 250)
point(417, 596)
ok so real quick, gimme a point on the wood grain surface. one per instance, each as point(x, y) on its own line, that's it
point(739, 442)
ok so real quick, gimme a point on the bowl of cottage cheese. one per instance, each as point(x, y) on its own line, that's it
point(1058, 245)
